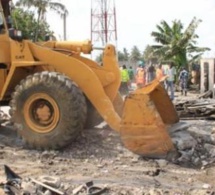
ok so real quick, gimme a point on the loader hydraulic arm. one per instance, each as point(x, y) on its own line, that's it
point(75, 46)
point(101, 91)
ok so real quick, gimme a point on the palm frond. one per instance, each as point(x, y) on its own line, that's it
point(156, 46)
point(166, 27)
point(160, 29)
point(189, 33)
point(195, 58)
point(192, 49)
point(161, 38)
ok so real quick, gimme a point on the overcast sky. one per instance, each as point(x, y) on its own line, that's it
point(136, 19)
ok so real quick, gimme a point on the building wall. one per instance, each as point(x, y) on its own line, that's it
point(207, 79)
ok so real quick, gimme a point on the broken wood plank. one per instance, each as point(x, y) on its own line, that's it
point(48, 187)
point(207, 94)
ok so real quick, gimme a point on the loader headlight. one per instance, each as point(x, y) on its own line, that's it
point(15, 34)
point(18, 33)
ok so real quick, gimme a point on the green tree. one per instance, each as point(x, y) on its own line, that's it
point(135, 54)
point(25, 21)
point(121, 56)
point(177, 45)
point(149, 56)
point(126, 54)
point(42, 6)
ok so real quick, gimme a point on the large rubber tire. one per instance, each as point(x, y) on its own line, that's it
point(62, 102)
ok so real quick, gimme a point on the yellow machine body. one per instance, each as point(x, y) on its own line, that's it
point(141, 119)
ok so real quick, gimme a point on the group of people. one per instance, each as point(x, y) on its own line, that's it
point(144, 75)
point(169, 75)
point(127, 77)
point(141, 77)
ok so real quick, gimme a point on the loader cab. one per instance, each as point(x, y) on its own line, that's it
point(6, 26)
point(5, 16)
point(6, 21)
point(2, 23)
point(4, 35)
point(5, 51)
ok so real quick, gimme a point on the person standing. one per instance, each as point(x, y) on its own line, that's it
point(140, 77)
point(131, 73)
point(159, 73)
point(183, 78)
point(131, 77)
point(170, 73)
point(138, 68)
point(150, 73)
point(124, 81)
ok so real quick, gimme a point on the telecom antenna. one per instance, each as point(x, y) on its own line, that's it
point(103, 22)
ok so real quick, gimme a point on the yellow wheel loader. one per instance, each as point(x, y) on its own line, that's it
point(54, 93)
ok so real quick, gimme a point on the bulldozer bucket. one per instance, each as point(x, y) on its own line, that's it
point(147, 114)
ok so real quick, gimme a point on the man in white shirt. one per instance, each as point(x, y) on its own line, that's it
point(170, 73)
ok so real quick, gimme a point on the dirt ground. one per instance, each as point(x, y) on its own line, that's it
point(99, 156)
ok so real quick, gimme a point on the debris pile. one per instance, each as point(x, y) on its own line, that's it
point(196, 109)
point(3, 117)
point(196, 147)
point(15, 185)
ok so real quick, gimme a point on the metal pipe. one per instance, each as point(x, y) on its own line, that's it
point(98, 48)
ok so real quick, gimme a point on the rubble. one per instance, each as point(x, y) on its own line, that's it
point(99, 156)
point(4, 117)
point(15, 185)
point(89, 189)
point(196, 109)
point(194, 146)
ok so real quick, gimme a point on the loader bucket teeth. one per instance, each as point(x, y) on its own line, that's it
point(147, 113)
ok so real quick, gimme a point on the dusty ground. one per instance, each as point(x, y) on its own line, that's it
point(98, 155)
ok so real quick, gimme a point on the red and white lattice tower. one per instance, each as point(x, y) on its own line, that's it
point(103, 22)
